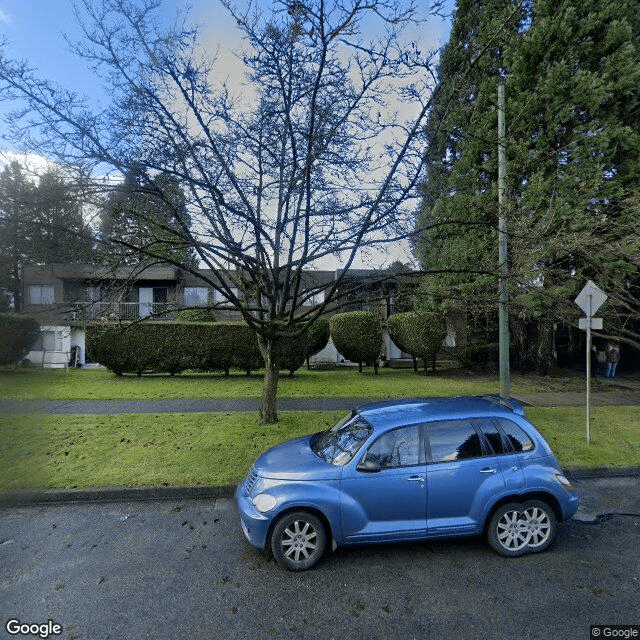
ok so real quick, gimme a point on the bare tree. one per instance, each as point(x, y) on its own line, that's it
point(317, 159)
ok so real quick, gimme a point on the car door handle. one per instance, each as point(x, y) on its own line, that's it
point(488, 470)
point(415, 479)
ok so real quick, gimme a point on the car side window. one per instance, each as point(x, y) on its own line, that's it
point(516, 437)
point(451, 440)
point(398, 448)
point(492, 435)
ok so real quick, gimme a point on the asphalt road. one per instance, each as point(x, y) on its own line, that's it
point(181, 569)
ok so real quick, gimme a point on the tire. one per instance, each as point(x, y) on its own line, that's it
point(519, 529)
point(298, 541)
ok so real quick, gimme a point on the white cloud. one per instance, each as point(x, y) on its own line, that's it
point(33, 163)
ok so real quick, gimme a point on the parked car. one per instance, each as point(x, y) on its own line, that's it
point(411, 469)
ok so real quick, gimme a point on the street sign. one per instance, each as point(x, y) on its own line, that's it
point(584, 324)
point(591, 298)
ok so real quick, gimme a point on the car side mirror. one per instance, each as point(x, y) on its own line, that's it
point(369, 466)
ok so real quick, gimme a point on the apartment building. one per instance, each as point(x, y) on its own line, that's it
point(65, 297)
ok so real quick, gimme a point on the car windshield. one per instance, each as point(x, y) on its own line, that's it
point(339, 444)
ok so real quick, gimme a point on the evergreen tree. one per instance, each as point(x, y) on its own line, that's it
point(16, 193)
point(59, 232)
point(41, 222)
point(146, 221)
point(571, 76)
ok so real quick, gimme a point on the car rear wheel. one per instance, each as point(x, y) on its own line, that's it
point(518, 529)
point(298, 540)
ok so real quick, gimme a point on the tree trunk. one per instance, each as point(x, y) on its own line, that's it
point(270, 349)
point(546, 360)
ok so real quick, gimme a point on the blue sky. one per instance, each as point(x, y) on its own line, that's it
point(35, 29)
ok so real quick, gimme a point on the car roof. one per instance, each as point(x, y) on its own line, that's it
point(398, 412)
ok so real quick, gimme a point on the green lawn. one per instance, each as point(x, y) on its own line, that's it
point(343, 382)
point(218, 448)
point(65, 451)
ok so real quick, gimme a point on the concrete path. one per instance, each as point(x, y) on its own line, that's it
point(627, 395)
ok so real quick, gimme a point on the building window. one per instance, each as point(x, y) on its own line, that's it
point(152, 300)
point(41, 293)
point(315, 299)
point(47, 341)
point(196, 296)
point(220, 298)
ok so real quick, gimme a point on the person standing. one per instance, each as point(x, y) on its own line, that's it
point(613, 357)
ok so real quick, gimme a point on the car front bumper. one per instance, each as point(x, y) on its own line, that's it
point(255, 525)
point(570, 506)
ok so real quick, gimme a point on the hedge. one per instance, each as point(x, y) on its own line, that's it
point(418, 334)
point(17, 336)
point(357, 335)
point(317, 337)
point(176, 346)
point(197, 314)
point(470, 354)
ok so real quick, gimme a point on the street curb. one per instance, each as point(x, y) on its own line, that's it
point(141, 494)
point(115, 494)
point(602, 472)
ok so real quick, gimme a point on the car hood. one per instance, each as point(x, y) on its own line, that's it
point(294, 460)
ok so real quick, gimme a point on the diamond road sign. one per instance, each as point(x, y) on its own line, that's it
point(591, 298)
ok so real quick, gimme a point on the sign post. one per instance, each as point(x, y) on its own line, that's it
point(590, 299)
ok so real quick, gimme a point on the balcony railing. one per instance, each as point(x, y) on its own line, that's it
point(123, 310)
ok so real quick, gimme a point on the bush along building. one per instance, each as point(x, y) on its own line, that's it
point(67, 298)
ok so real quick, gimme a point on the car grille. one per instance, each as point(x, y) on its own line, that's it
point(251, 480)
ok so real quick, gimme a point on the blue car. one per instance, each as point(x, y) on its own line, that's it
point(411, 469)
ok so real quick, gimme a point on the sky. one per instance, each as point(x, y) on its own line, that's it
point(35, 30)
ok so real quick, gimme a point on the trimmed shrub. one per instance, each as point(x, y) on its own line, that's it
point(175, 346)
point(317, 337)
point(357, 335)
point(241, 344)
point(292, 353)
point(197, 314)
point(122, 349)
point(17, 336)
point(418, 334)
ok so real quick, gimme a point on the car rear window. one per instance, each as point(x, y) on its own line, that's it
point(492, 435)
point(516, 437)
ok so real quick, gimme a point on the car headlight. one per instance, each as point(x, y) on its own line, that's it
point(264, 502)
point(263, 484)
point(564, 481)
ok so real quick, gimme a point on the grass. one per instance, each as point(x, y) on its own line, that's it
point(79, 384)
point(140, 449)
point(68, 451)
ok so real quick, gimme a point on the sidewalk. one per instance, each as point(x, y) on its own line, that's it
point(627, 397)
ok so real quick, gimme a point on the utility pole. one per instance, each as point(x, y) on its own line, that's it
point(503, 304)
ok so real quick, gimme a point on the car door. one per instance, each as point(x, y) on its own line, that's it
point(501, 445)
point(389, 503)
point(462, 476)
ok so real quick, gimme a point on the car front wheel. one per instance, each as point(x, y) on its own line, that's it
point(298, 540)
point(518, 529)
